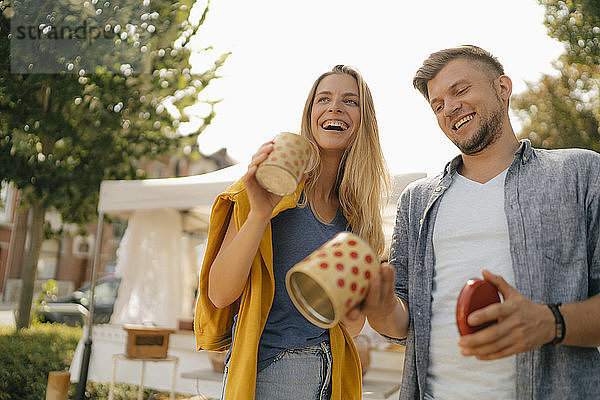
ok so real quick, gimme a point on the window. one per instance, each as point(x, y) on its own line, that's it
point(48, 259)
point(7, 194)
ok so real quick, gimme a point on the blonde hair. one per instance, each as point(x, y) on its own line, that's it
point(362, 176)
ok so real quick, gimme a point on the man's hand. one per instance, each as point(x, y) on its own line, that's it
point(522, 325)
point(381, 299)
point(386, 313)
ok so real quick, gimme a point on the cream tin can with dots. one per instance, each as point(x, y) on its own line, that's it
point(283, 169)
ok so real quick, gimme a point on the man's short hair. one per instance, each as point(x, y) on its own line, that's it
point(438, 60)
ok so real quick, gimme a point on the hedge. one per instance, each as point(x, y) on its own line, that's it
point(27, 357)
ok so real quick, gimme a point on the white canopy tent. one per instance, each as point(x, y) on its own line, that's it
point(159, 211)
point(155, 260)
point(193, 195)
point(165, 208)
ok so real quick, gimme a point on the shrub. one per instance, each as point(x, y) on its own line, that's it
point(27, 357)
point(49, 291)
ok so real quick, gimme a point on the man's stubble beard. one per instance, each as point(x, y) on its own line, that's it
point(488, 133)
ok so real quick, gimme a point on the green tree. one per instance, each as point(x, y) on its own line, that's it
point(576, 23)
point(62, 133)
point(563, 109)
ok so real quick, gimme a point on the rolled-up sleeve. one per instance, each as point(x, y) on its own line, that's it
point(399, 248)
point(593, 226)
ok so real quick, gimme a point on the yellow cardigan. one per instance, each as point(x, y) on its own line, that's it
point(212, 326)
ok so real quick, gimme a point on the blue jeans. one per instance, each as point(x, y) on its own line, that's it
point(301, 374)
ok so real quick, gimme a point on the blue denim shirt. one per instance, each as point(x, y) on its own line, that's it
point(552, 205)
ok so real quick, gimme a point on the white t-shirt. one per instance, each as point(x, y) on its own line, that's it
point(470, 234)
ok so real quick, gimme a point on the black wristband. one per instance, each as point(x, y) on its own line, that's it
point(559, 324)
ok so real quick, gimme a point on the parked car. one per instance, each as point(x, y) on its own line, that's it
point(72, 309)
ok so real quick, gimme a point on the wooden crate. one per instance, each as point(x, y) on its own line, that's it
point(186, 324)
point(147, 341)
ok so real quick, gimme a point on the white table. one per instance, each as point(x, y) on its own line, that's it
point(117, 357)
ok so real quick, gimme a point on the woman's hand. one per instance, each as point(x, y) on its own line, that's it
point(261, 200)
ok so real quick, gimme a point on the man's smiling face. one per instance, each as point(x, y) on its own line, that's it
point(466, 104)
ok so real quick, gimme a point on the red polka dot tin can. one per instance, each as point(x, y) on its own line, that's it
point(333, 279)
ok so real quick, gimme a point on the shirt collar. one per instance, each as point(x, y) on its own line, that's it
point(524, 153)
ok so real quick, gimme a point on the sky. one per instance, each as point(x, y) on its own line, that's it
point(280, 47)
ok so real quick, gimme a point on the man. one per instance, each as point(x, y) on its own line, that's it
point(530, 216)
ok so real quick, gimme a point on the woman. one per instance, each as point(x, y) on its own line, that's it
point(256, 237)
